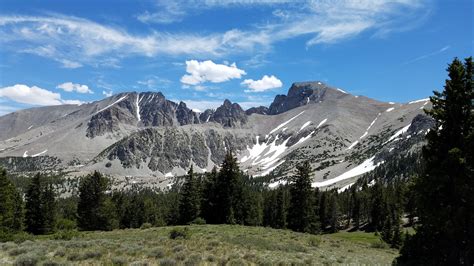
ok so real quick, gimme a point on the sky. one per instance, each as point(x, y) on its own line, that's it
point(56, 52)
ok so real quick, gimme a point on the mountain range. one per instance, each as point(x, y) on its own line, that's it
point(150, 139)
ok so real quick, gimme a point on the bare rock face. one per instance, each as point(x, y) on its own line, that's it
point(229, 115)
point(261, 110)
point(302, 93)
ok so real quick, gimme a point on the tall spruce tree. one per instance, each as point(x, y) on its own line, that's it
point(40, 208)
point(95, 211)
point(209, 201)
point(189, 202)
point(228, 192)
point(11, 205)
point(301, 213)
point(446, 188)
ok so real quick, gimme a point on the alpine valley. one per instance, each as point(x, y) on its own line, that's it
point(148, 139)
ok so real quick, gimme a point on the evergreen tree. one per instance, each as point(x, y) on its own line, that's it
point(281, 208)
point(95, 211)
point(228, 192)
point(301, 216)
point(209, 201)
point(446, 188)
point(34, 215)
point(11, 205)
point(48, 205)
point(189, 203)
point(333, 213)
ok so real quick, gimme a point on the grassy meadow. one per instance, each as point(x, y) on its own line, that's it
point(201, 245)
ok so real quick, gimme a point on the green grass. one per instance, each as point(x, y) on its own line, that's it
point(359, 237)
point(206, 245)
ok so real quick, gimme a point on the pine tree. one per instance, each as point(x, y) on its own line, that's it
point(446, 188)
point(228, 192)
point(301, 216)
point(209, 201)
point(11, 205)
point(333, 213)
point(48, 206)
point(94, 210)
point(189, 204)
point(34, 216)
point(281, 208)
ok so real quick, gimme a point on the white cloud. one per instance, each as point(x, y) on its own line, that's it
point(75, 42)
point(70, 87)
point(445, 48)
point(200, 72)
point(33, 95)
point(264, 84)
point(107, 93)
point(168, 12)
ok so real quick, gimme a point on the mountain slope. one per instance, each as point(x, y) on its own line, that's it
point(146, 135)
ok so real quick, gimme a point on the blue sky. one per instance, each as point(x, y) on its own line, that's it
point(202, 52)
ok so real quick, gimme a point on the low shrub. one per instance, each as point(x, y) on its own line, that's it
point(17, 251)
point(146, 226)
point(178, 233)
point(167, 262)
point(380, 244)
point(119, 261)
point(156, 253)
point(199, 221)
point(66, 224)
point(28, 259)
point(65, 235)
point(314, 241)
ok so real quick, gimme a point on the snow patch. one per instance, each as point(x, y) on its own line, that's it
point(269, 170)
point(390, 109)
point(419, 101)
point(277, 183)
point(304, 125)
point(370, 126)
point(285, 123)
point(344, 188)
point(304, 138)
point(138, 108)
point(110, 105)
point(391, 103)
point(365, 167)
point(25, 154)
point(30, 127)
point(39, 154)
point(322, 122)
point(342, 91)
point(398, 133)
point(352, 145)
point(170, 174)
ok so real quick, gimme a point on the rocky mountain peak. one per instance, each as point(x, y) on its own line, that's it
point(302, 93)
point(229, 114)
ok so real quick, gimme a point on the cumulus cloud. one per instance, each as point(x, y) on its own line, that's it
point(70, 87)
point(33, 95)
point(200, 72)
point(263, 84)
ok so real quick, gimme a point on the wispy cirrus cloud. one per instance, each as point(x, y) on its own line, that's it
point(445, 48)
point(75, 42)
